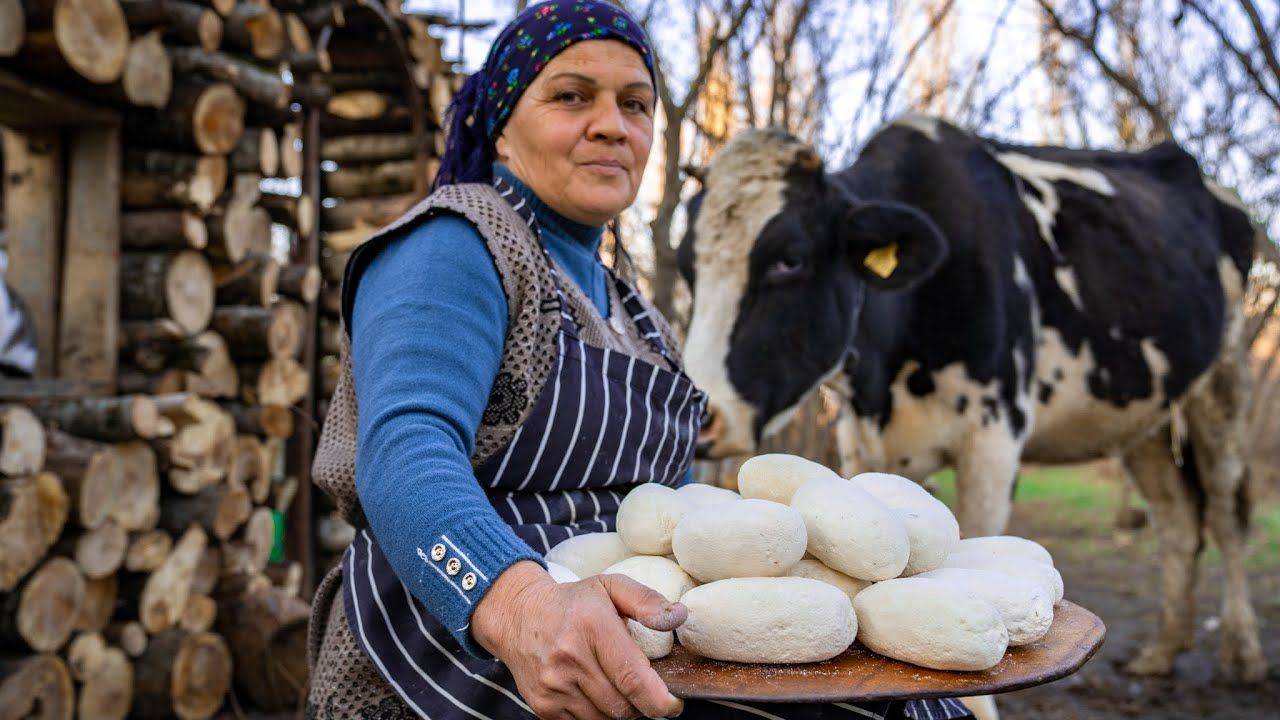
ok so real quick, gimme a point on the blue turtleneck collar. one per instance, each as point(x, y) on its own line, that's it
point(573, 245)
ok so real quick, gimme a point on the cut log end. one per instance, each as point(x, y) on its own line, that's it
point(148, 76)
point(189, 291)
point(50, 604)
point(218, 119)
point(93, 37)
point(37, 687)
point(22, 447)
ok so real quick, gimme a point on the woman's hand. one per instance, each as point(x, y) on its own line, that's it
point(568, 647)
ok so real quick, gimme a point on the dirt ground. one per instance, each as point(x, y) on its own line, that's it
point(1115, 574)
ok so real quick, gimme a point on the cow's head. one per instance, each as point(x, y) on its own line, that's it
point(778, 258)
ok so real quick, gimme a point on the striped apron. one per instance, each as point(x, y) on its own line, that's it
point(603, 423)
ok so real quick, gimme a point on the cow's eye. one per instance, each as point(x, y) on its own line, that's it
point(783, 270)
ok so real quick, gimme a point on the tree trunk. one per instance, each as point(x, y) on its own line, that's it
point(220, 510)
point(186, 21)
point(33, 511)
point(163, 229)
point(250, 81)
point(258, 333)
point(256, 29)
point(267, 634)
point(110, 419)
point(91, 473)
point(203, 117)
point(37, 687)
point(664, 255)
point(252, 281)
point(377, 179)
point(301, 282)
point(105, 674)
point(164, 595)
point(258, 152)
point(158, 178)
point(278, 381)
point(21, 441)
point(183, 675)
point(178, 286)
point(147, 551)
point(369, 148)
point(43, 610)
point(99, 604)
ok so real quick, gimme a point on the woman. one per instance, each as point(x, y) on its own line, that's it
point(501, 375)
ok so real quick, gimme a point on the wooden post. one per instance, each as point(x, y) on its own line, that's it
point(90, 313)
point(33, 223)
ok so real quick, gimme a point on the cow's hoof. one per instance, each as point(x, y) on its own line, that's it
point(1241, 666)
point(1152, 660)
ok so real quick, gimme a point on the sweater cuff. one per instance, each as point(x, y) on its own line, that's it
point(464, 563)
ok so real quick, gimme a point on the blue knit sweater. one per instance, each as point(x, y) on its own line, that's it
point(427, 333)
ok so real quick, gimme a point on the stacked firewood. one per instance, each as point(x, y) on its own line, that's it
point(376, 164)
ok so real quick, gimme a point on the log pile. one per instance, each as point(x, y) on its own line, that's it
point(375, 166)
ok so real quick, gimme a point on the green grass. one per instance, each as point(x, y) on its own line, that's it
point(1074, 502)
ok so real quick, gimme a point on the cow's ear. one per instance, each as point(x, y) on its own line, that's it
point(890, 244)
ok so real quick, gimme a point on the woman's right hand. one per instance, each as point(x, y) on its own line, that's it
point(568, 647)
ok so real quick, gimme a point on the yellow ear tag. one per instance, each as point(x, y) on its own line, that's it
point(883, 260)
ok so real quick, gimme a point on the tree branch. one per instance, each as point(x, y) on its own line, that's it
point(1242, 57)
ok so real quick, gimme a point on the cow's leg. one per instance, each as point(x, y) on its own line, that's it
point(986, 469)
point(1216, 421)
point(1176, 507)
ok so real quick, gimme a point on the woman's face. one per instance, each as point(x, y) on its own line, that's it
point(580, 135)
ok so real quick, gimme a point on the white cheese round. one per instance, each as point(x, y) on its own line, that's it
point(589, 554)
point(647, 517)
point(668, 580)
point(815, 570)
point(1046, 575)
point(777, 476)
point(851, 531)
point(1025, 606)
point(700, 494)
point(930, 623)
point(931, 527)
point(1008, 546)
point(748, 538)
point(767, 620)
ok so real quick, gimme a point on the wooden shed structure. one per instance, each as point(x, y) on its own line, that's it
point(182, 183)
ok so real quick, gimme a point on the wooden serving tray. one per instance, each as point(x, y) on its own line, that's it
point(860, 675)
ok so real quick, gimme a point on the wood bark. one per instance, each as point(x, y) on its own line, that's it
point(208, 571)
point(252, 82)
point(294, 212)
point(33, 176)
point(252, 281)
point(267, 634)
point(270, 420)
point(257, 152)
point(301, 282)
point(371, 147)
point(33, 511)
point(278, 381)
point(91, 473)
point(99, 604)
point(389, 177)
point(112, 419)
point(203, 117)
point(183, 675)
point(256, 29)
point(37, 687)
point(397, 119)
point(163, 229)
point(189, 22)
point(136, 380)
point(21, 441)
point(42, 612)
point(147, 551)
point(370, 212)
point(159, 178)
point(219, 509)
point(178, 286)
point(164, 595)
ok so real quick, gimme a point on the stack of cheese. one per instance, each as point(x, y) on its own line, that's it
point(804, 561)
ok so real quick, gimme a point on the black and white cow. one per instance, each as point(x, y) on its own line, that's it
point(980, 304)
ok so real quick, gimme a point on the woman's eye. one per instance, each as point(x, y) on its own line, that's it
point(569, 98)
point(639, 106)
point(784, 269)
